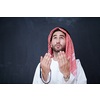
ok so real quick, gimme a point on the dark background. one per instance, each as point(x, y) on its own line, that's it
point(23, 40)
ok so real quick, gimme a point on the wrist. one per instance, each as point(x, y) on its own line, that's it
point(66, 76)
point(66, 79)
point(45, 76)
point(41, 76)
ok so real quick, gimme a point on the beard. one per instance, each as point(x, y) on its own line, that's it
point(58, 49)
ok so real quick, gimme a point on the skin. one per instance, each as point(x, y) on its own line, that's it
point(58, 44)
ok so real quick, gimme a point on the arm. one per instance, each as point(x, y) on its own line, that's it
point(64, 65)
point(45, 66)
point(36, 75)
point(42, 74)
point(38, 79)
point(80, 78)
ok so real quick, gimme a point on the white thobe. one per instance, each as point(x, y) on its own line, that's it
point(57, 76)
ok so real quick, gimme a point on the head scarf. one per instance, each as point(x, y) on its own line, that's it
point(69, 49)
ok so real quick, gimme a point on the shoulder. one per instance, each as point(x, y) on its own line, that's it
point(80, 73)
point(78, 65)
point(38, 67)
point(78, 62)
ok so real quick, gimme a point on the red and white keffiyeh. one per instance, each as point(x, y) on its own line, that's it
point(69, 49)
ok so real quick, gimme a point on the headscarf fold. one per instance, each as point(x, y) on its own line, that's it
point(69, 49)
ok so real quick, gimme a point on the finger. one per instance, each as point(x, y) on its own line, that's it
point(49, 55)
point(41, 58)
point(45, 56)
point(65, 58)
point(49, 62)
point(69, 61)
point(45, 59)
point(48, 59)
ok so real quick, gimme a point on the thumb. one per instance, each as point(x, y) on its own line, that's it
point(68, 59)
point(41, 58)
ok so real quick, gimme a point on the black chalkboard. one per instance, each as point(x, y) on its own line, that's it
point(24, 39)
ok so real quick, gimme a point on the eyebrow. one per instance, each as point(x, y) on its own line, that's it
point(60, 35)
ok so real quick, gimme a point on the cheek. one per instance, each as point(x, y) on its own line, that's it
point(63, 43)
point(53, 43)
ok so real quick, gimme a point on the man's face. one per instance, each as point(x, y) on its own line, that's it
point(58, 42)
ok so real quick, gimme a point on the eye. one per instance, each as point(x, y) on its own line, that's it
point(54, 37)
point(61, 37)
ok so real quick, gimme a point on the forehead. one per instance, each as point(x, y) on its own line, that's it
point(58, 33)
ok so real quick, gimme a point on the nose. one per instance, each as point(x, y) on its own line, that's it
point(58, 40)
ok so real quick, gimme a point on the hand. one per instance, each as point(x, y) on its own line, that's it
point(64, 64)
point(45, 65)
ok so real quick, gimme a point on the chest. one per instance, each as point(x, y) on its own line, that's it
point(56, 75)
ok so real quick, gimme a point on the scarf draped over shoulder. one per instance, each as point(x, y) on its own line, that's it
point(69, 49)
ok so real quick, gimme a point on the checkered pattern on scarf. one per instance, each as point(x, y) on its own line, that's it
point(69, 49)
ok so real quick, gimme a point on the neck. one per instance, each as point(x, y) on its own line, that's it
point(55, 55)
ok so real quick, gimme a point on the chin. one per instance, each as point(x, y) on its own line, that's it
point(58, 49)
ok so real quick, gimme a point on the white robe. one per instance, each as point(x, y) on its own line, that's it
point(57, 76)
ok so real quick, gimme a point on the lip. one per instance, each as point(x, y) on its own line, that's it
point(58, 45)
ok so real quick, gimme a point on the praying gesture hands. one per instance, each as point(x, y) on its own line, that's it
point(64, 64)
point(45, 65)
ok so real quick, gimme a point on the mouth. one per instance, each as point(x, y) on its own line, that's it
point(58, 45)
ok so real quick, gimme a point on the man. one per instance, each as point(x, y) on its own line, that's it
point(59, 65)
